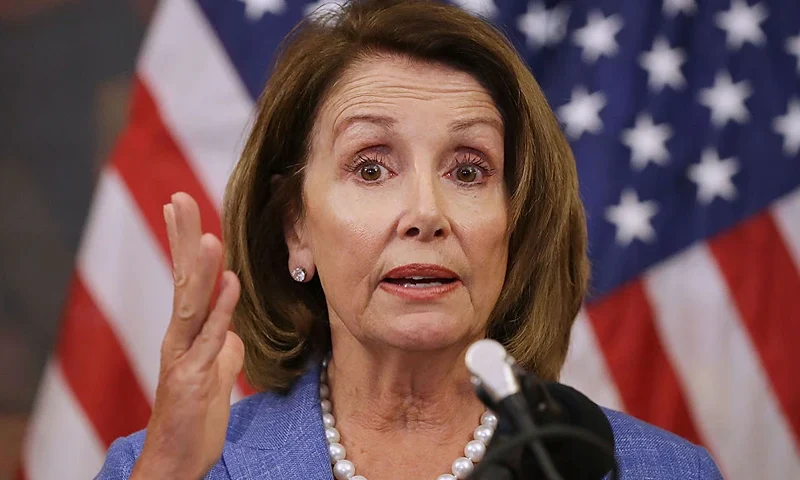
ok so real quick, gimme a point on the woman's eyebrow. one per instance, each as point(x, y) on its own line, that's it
point(461, 125)
point(379, 120)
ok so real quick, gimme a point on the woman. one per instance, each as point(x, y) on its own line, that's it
point(405, 191)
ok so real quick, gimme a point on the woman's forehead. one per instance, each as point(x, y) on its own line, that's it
point(387, 81)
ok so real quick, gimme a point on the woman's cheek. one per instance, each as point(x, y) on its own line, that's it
point(348, 234)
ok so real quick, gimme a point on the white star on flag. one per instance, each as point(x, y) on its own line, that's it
point(485, 8)
point(542, 26)
point(646, 142)
point(726, 100)
point(632, 218)
point(714, 177)
point(582, 113)
point(255, 9)
point(793, 47)
point(663, 65)
point(741, 23)
point(789, 126)
point(674, 7)
point(597, 36)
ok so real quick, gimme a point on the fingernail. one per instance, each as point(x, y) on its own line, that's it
point(223, 282)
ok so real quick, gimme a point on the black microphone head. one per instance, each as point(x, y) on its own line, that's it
point(575, 458)
point(554, 404)
point(568, 428)
point(578, 410)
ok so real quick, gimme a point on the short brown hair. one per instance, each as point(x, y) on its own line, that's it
point(284, 323)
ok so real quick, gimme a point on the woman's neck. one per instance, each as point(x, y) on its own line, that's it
point(393, 390)
point(402, 414)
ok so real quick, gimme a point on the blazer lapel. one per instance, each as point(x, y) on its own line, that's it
point(283, 438)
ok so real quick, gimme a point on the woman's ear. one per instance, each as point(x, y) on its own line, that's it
point(301, 257)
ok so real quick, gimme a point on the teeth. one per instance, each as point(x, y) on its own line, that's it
point(421, 285)
point(419, 278)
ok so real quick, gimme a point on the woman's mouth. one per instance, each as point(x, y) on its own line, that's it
point(419, 281)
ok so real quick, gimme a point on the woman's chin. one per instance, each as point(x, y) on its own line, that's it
point(423, 331)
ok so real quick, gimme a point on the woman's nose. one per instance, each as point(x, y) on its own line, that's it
point(424, 218)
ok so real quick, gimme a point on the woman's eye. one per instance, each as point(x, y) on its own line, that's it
point(371, 172)
point(467, 173)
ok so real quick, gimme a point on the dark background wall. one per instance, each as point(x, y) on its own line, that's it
point(65, 72)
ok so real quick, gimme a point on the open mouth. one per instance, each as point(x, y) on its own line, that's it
point(419, 282)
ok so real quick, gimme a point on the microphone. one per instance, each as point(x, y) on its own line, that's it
point(545, 429)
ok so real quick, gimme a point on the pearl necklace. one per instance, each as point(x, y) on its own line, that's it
point(344, 469)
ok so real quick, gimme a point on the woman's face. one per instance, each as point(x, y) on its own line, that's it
point(405, 205)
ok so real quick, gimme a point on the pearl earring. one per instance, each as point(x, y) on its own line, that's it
point(299, 274)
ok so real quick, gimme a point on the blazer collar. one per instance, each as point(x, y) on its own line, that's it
point(276, 436)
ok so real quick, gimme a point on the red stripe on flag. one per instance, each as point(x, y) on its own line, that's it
point(97, 371)
point(153, 167)
point(650, 390)
point(765, 286)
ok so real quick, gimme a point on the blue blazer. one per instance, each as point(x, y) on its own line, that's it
point(281, 437)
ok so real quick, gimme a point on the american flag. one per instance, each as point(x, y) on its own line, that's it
point(684, 117)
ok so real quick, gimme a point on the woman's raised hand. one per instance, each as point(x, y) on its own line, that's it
point(200, 358)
